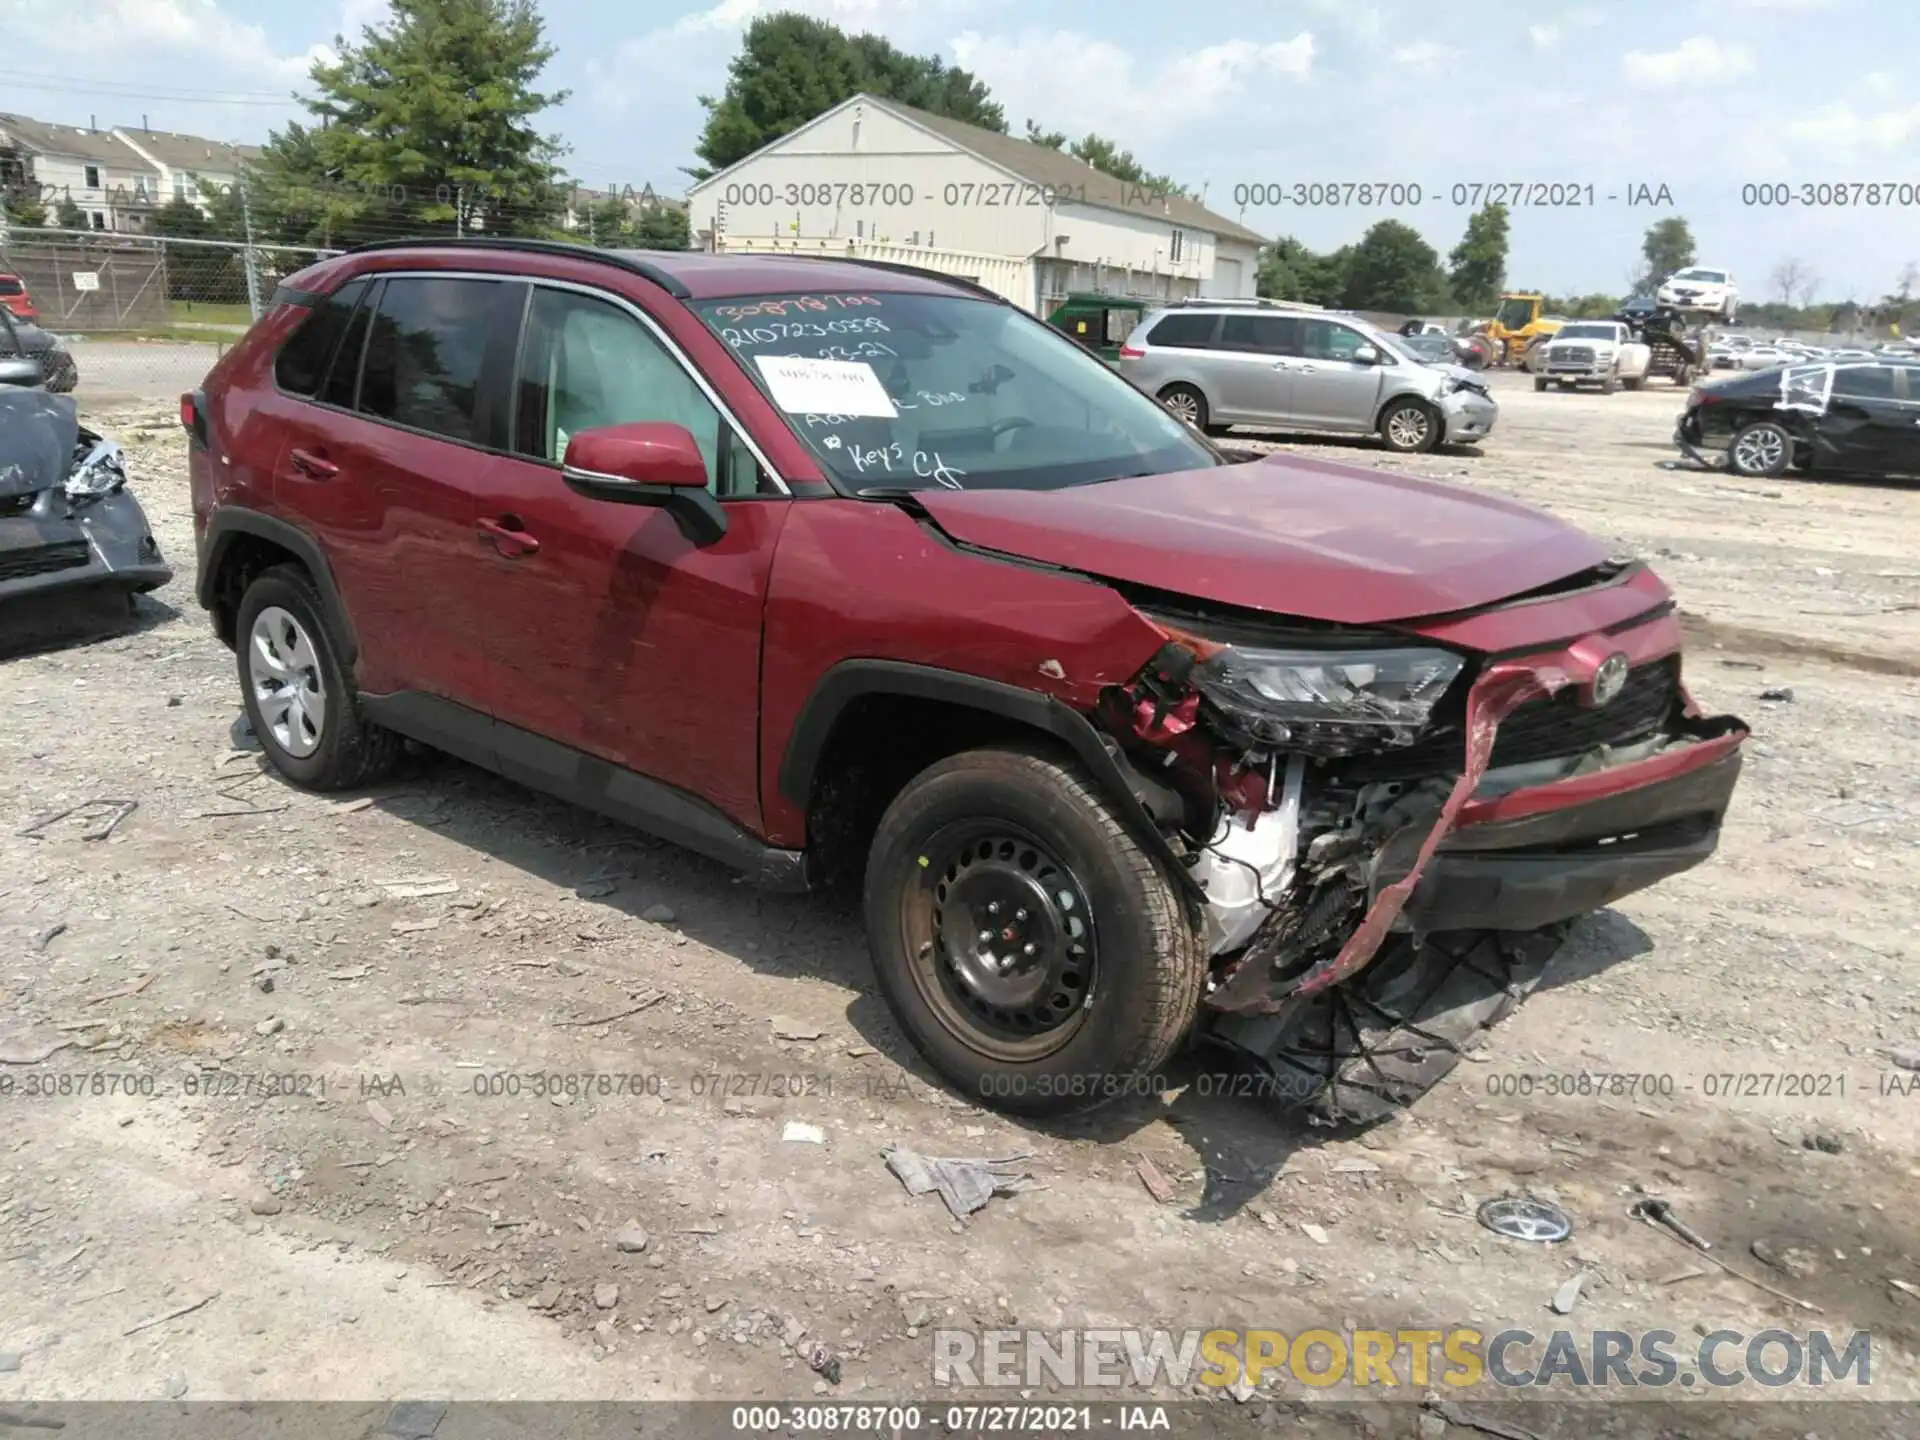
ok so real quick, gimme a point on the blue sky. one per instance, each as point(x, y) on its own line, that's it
point(1700, 96)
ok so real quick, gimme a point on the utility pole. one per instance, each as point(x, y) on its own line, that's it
point(251, 261)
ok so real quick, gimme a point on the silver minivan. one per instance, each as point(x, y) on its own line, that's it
point(1290, 367)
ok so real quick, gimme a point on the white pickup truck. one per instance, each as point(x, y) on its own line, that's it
point(1592, 352)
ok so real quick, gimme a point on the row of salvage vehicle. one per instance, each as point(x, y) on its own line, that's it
point(1131, 743)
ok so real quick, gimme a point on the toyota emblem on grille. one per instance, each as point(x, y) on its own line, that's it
point(1608, 680)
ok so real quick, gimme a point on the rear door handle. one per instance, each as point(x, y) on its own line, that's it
point(313, 466)
point(508, 537)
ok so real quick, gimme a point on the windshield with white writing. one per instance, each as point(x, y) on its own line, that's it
point(899, 391)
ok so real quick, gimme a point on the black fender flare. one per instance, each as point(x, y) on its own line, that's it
point(230, 522)
point(851, 680)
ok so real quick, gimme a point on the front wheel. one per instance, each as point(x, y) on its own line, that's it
point(1410, 426)
point(1761, 450)
point(1609, 385)
point(1037, 955)
point(1540, 382)
point(1631, 382)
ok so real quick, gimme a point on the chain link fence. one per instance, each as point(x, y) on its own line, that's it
point(143, 317)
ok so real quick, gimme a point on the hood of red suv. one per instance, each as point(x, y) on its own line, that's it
point(1290, 535)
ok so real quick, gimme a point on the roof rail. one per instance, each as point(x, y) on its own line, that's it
point(568, 248)
point(1260, 303)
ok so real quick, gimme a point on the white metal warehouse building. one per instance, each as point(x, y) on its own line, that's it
point(875, 179)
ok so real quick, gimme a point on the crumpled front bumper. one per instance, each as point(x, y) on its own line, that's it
point(1468, 415)
point(1687, 440)
point(1522, 857)
point(41, 550)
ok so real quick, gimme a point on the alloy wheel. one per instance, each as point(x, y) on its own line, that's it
point(1184, 406)
point(288, 690)
point(1407, 427)
point(1759, 450)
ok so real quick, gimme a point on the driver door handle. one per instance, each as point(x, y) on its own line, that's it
point(311, 465)
point(509, 538)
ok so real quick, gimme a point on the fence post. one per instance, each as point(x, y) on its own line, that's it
point(250, 260)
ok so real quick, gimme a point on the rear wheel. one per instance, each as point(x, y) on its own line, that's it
point(1540, 382)
point(1762, 449)
point(1037, 955)
point(298, 697)
point(1187, 404)
point(1609, 385)
point(1409, 426)
point(1631, 382)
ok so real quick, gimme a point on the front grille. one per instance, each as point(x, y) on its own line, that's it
point(65, 555)
point(1542, 729)
point(1571, 355)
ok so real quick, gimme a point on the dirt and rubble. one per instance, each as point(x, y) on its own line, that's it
point(449, 1089)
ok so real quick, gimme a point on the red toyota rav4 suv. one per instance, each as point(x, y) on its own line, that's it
point(823, 567)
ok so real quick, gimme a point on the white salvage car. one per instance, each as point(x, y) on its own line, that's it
point(1592, 352)
point(1699, 289)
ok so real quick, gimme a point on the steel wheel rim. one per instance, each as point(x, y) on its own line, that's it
point(1184, 405)
point(1407, 427)
point(1760, 449)
point(991, 891)
point(283, 667)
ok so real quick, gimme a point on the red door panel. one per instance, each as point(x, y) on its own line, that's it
point(610, 632)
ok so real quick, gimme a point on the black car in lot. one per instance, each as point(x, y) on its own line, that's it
point(20, 338)
point(1824, 418)
point(67, 520)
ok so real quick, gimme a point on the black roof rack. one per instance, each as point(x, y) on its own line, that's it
point(537, 247)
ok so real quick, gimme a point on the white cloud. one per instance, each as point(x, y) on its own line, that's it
point(1699, 60)
point(1767, 4)
point(1423, 55)
point(1023, 71)
point(1544, 37)
point(1843, 132)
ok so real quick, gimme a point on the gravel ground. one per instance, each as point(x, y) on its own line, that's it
point(422, 948)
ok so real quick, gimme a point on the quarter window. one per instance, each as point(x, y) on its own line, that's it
point(302, 362)
point(1867, 382)
point(1190, 332)
point(424, 351)
point(586, 363)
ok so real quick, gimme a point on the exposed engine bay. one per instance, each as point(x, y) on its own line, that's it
point(1327, 788)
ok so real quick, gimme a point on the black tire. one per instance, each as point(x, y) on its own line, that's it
point(1373, 1046)
point(1766, 453)
point(1407, 438)
point(1632, 382)
point(1124, 1003)
point(1540, 382)
point(62, 374)
point(1175, 397)
point(352, 751)
point(1609, 385)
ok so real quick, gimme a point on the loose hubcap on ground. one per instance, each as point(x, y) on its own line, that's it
point(284, 669)
point(1011, 944)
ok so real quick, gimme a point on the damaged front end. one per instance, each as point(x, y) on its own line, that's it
point(1336, 787)
point(67, 520)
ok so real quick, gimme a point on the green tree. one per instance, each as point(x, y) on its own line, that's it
point(71, 217)
point(1668, 247)
point(1393, 269)
point(1106, 157)
point(426, 123)
point(1290, 271)
point(1477, 266)
point(1052, 139)
point(663, 227)
point(792, 68)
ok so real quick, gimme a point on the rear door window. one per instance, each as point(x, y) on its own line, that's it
point(1186, 332)
point(425, 348)
point(1865, 382)
point(1261, 334)
point(1328, 340)
point(301, 366)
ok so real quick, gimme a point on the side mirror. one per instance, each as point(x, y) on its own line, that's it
point(1367, 355)
point(20, 370)
point(646, 462)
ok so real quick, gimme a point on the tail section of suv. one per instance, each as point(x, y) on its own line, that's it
point(1302, 368)
point(830, 569)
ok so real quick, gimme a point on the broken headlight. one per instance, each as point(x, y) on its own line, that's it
point(1327, 702)
point(99, 472)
